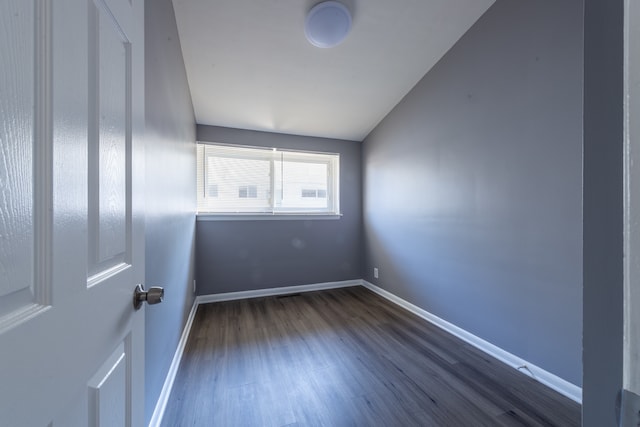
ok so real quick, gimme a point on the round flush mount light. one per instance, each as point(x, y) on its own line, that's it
point(327, 24)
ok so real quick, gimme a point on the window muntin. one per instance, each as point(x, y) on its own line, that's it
point(246, 180)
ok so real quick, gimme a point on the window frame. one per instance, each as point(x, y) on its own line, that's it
point(331, 160)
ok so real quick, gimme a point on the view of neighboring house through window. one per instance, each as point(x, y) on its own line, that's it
point(234, 179)
point(248, 191)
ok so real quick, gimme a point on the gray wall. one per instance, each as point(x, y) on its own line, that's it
point(603, 210)
point(170, 195)
point(239, 255)
point(472, 186)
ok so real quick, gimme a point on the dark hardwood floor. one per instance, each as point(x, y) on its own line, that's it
point(345, 357)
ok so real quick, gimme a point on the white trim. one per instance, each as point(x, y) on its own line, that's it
point(631, 309)
point(230, 296)
point(161, 405)
point(552, 381)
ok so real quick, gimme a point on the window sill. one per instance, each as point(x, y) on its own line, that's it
point(267, 217)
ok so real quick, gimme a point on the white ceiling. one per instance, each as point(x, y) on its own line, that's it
point(250, 66)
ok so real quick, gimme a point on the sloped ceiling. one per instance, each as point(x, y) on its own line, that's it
point(250, 66)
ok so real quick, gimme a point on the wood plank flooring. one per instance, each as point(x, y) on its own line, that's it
point(345, 357)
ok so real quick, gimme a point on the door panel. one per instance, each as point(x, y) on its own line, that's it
point(16, 205)
point(108, 390)
point(71, 212)
point(110, 153)
point(19, 288)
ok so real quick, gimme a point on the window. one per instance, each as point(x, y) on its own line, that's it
point(240, 180)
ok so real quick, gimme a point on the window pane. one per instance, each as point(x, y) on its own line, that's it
point(243, 185)
point(298, 184)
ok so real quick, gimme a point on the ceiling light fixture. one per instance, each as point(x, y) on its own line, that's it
point(327, 24)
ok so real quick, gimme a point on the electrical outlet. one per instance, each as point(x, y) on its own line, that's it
point(375, 272)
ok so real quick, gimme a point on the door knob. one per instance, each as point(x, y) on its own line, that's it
point(154, 295)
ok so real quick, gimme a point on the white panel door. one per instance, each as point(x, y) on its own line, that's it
point(71, 212)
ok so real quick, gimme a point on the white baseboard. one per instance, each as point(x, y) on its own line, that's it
point(230, 296)
point(158, 412)
point(552, 381)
